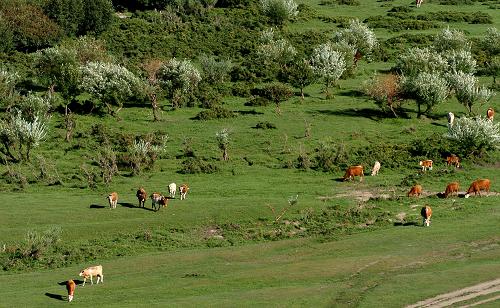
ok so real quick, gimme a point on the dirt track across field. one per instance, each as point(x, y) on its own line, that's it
point(491, 288)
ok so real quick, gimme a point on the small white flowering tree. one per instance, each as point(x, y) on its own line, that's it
point(274, 49)
point(215, 71)
point(223, 142)
point(8, 82)
point(461, 61)
point(279, 11)
point(328, 64)
point(491, 45)
point(179, 78)
point(467, 91)
point(110, 83)
point(451, 39)
point(430, 90)
point(417, 60)
point(475, 135)
point(362, 39)
point(144, 153)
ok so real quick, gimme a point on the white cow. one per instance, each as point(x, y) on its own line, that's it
point(172, 188)
point(92, 271)
point(451, 118)
point(376, 168)
point(419, 2)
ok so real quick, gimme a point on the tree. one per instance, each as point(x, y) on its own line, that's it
point(461, 61)
point(223, 142)
point(362, 39)
point(68, 14)
point(491, 45)
point(417, 60)
point(153, 88)
point(430, 90)
point(215, 71)
point(98, 16)
point(277, 92)
point(8, 82)
point(385, 90)
point(300, 75)
point(476, 135)
point(328, 64)
point(144, 152)
point(451, 39)
point(110, 83)
point(179, 78)
point(279, 11)
point(467, 91)
point(275, 50)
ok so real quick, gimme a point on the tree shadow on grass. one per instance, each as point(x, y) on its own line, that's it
point(97, 206)
point(372, 114)
point(55, 296)
point(406, 224)
point(132, 206)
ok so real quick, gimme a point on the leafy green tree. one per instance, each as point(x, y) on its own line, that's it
point(68, 14)
point(110, 83)
point(277, 92)
point(430, 90)
point(474, 136)
point(328, 64)
point(279, 11)
point(6, 35)
point(491, 45)
point(300, 75)
point(179, 78)
point(98, 16)
point(215, 71)
point(467, 91)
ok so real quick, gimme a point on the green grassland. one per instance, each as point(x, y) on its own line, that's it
point(344, 244)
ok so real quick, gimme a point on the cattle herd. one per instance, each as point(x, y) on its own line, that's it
point(416, 190)
point(158, 200)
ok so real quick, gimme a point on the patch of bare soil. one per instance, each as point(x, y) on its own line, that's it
point(465, 294)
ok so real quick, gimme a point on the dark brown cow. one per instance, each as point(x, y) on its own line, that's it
point(141, 196)
point(426, 213)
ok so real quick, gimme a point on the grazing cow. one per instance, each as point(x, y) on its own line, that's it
point(353, 171)
point(416, 191)
point(172, 188)
point(453, 160)
point(183, 190)
point(426, 164)
point(426, 213)
point(92, 271)
point(451, 188)
point(163, 202)
point(376, 168)
point(141, 196)
point(477, 186)
point(418, 3)
point(113, 200)
point(451, 118)
point(70, 286)
point(490, 114)
point(157, 200)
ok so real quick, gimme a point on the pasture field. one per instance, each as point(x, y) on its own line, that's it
point(343, 244)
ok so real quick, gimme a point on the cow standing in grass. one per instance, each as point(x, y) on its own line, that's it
point(70, 286)
point(453, 160)
point(418, 3)
point(477, 186)
point(183, 190)
point(426, 213)
point(490, 114)
point(451, 118)
point(141, 196)
point(451, 188)
point(376, 168)
point(426, 164)
point(113, 200)
point(354, 171)
point(157, 200)
point(90, 272)
point(172, 188)
point(416, 191)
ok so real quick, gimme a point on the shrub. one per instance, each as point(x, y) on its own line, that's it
point(279, 11)
point(216, 112)
point(474, 136)
point(194, 165)
point(385, 91)
point(265, 125)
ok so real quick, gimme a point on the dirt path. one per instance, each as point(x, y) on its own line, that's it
point(465, 294)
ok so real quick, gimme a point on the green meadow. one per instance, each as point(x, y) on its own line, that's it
point(240, 239)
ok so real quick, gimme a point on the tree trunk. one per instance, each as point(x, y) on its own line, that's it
point(225, 155)
point(302, 93)
point(154, 105)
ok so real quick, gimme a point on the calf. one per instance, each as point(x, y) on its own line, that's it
point(376, 168)
point(453, 160)
point(92, 271)
point(416, 191)
point(477, 186)
point(490, 114)
point(172, 188)
point(426, 164)
point(183, 190)
point(141, 196)
point(451, 188)
point(113, 200)
point(426, 213)
point(353, 171)
point(157, 199)
point(70, 286)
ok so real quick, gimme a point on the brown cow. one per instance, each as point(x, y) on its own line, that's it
point(70, 286)
point(113, 200)
point(157, 199)
point(477, 186)
point(426, 213)
point(416, 190)
point(92, 271)
point(183, 190)
point(426, 164)
point(490, 114)
point(353, 171)
point(451, 189)
point(453, 160)
point(141, 196)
